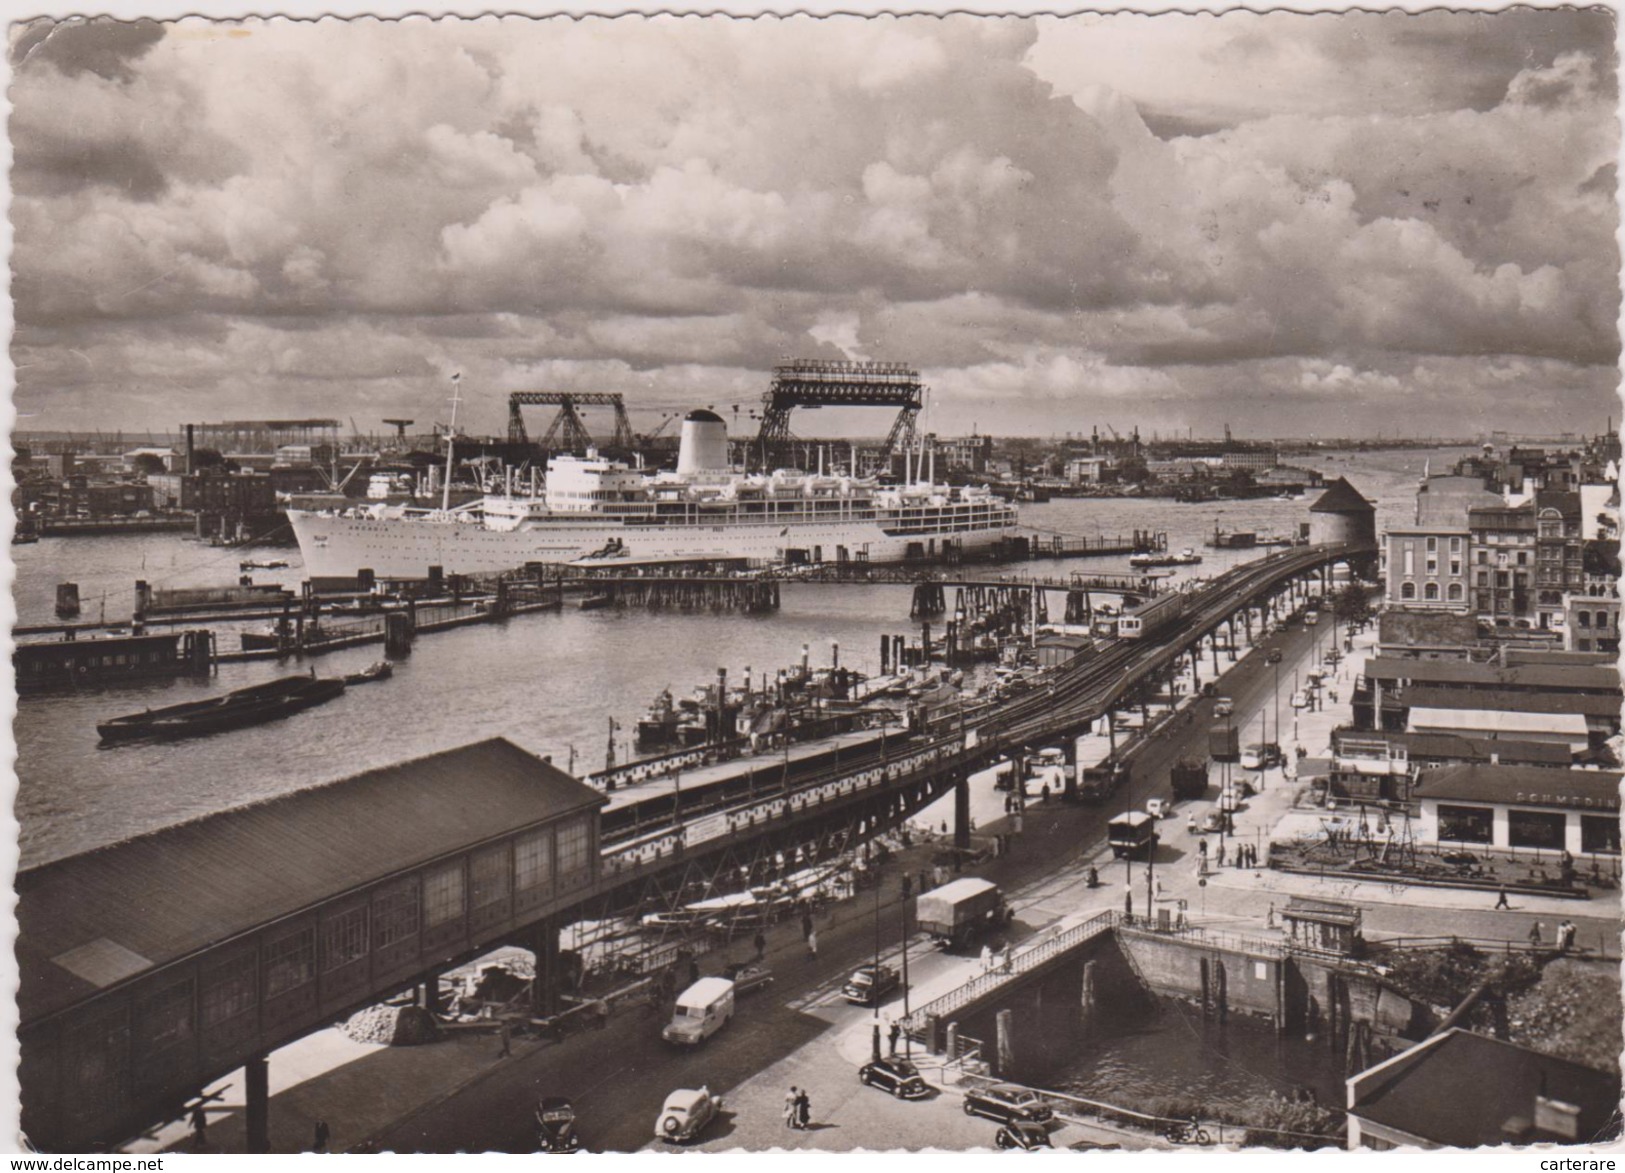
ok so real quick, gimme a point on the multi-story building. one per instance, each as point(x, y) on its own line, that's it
point(1503, 563)
point(1250, 460)
point(1085, 470)
point(1591, 616)
point(1426, 567)
point(1559, 554)
point(964, 453)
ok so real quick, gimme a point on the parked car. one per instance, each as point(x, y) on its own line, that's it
point(870, 984)
point(686, 1113)
point(1213, 821)
point(1158, 808)
point(1300, 700)
point(1005, 1102)
point(1023, 1134)
point(897, 1076)
point(1311, 617)
point(1273, 656)
point(1223, 707)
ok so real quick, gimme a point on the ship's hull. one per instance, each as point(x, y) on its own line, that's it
point(337, 547)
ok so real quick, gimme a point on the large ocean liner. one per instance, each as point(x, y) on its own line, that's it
point(596, 510)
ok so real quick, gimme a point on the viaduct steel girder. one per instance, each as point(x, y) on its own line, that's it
point(567, 432)
point(813, 383)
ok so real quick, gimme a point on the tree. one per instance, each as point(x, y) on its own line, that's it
point(147, 464)
point(1353, 605)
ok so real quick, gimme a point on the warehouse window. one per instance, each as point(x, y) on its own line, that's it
point(1431, 591)
point(443, 895)
point(290, 962)
point(1599, 834)
point(395, 916)
point(1542, 829)
point(229, 989)
point(344, 938)
point(1466, 824)
point(1407, 590)
point(1455, 592)
point(533, 860)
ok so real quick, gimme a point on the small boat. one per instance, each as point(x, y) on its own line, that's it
point(596, 602)
point(381, 670)
point(24, 537)
point(1186, 557)
point(236, 710)
point(272, 564)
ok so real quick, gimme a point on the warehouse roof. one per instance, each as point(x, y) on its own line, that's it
point(1494, 722)
point(1523, 786)
point(88, 921)
point(1507, 701)
point(1563, 677)
point(1464, 1090)
point(1444, 746)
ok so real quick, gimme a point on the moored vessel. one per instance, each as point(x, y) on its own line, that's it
point(235, 710)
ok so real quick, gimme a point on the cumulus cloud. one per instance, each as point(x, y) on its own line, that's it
point(1181, 215)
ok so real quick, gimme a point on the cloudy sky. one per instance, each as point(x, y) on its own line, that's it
point(1294, 224)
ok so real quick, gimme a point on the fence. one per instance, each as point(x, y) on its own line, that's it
point(1019, 963)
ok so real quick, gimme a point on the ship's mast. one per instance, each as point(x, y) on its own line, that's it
point(451, 441)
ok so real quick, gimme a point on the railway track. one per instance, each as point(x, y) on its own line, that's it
point(1065, 697)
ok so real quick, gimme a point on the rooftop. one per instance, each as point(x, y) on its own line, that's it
point(1565, 677)
point(89, 921)
point(1512, 702)
point(1494, 722)
point(1523, 785)
point(1464, 1090)
point(1341, 497)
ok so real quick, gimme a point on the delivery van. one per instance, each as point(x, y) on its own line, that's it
point(702, 1010)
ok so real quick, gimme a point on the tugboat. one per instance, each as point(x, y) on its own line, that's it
point(658, 727)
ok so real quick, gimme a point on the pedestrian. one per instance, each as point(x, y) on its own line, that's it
point(1043, 793)
point(892, 1035)
point(761, 941)
point(1501, 898)
point(319, 1145)
point(1201, 846)
point(1534, 935)
point(1563, 938)
point(987, 959)
point(200, 1127)
point(812, 944)
point(803, 1109)
point(806, 924)
point(505, 1034)
point(1220, 855)
point(1269, 920)
point(792, 1101)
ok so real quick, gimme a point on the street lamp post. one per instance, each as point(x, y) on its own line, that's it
point(874, 986)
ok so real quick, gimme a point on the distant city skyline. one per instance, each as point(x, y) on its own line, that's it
point(1294, 225)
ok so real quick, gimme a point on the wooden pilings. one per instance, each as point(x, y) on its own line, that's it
point(750, 596)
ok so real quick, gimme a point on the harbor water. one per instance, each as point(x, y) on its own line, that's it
point(549, 682)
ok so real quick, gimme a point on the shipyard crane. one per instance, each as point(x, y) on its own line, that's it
point(814, 383)
point(568, 425)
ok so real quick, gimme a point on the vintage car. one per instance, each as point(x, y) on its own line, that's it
point(870, 984)
point(1158, 808)
point(897, 1076)
point(1026, 1135)
point(687, 1111)
point(556, 1126)
point(1273, 656)
point(1005, 1102)
point(747, 976)
point(1223, 707)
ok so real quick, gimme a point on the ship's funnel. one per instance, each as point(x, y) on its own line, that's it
point(704, 447)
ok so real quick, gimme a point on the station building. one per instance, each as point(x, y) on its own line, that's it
point(154, 966)
point(1520, 809)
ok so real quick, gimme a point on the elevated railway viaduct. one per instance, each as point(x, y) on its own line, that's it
point(152, 967)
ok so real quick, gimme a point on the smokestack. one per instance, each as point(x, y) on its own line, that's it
point(190, 448)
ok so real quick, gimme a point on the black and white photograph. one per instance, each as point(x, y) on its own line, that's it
point(786, 583)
